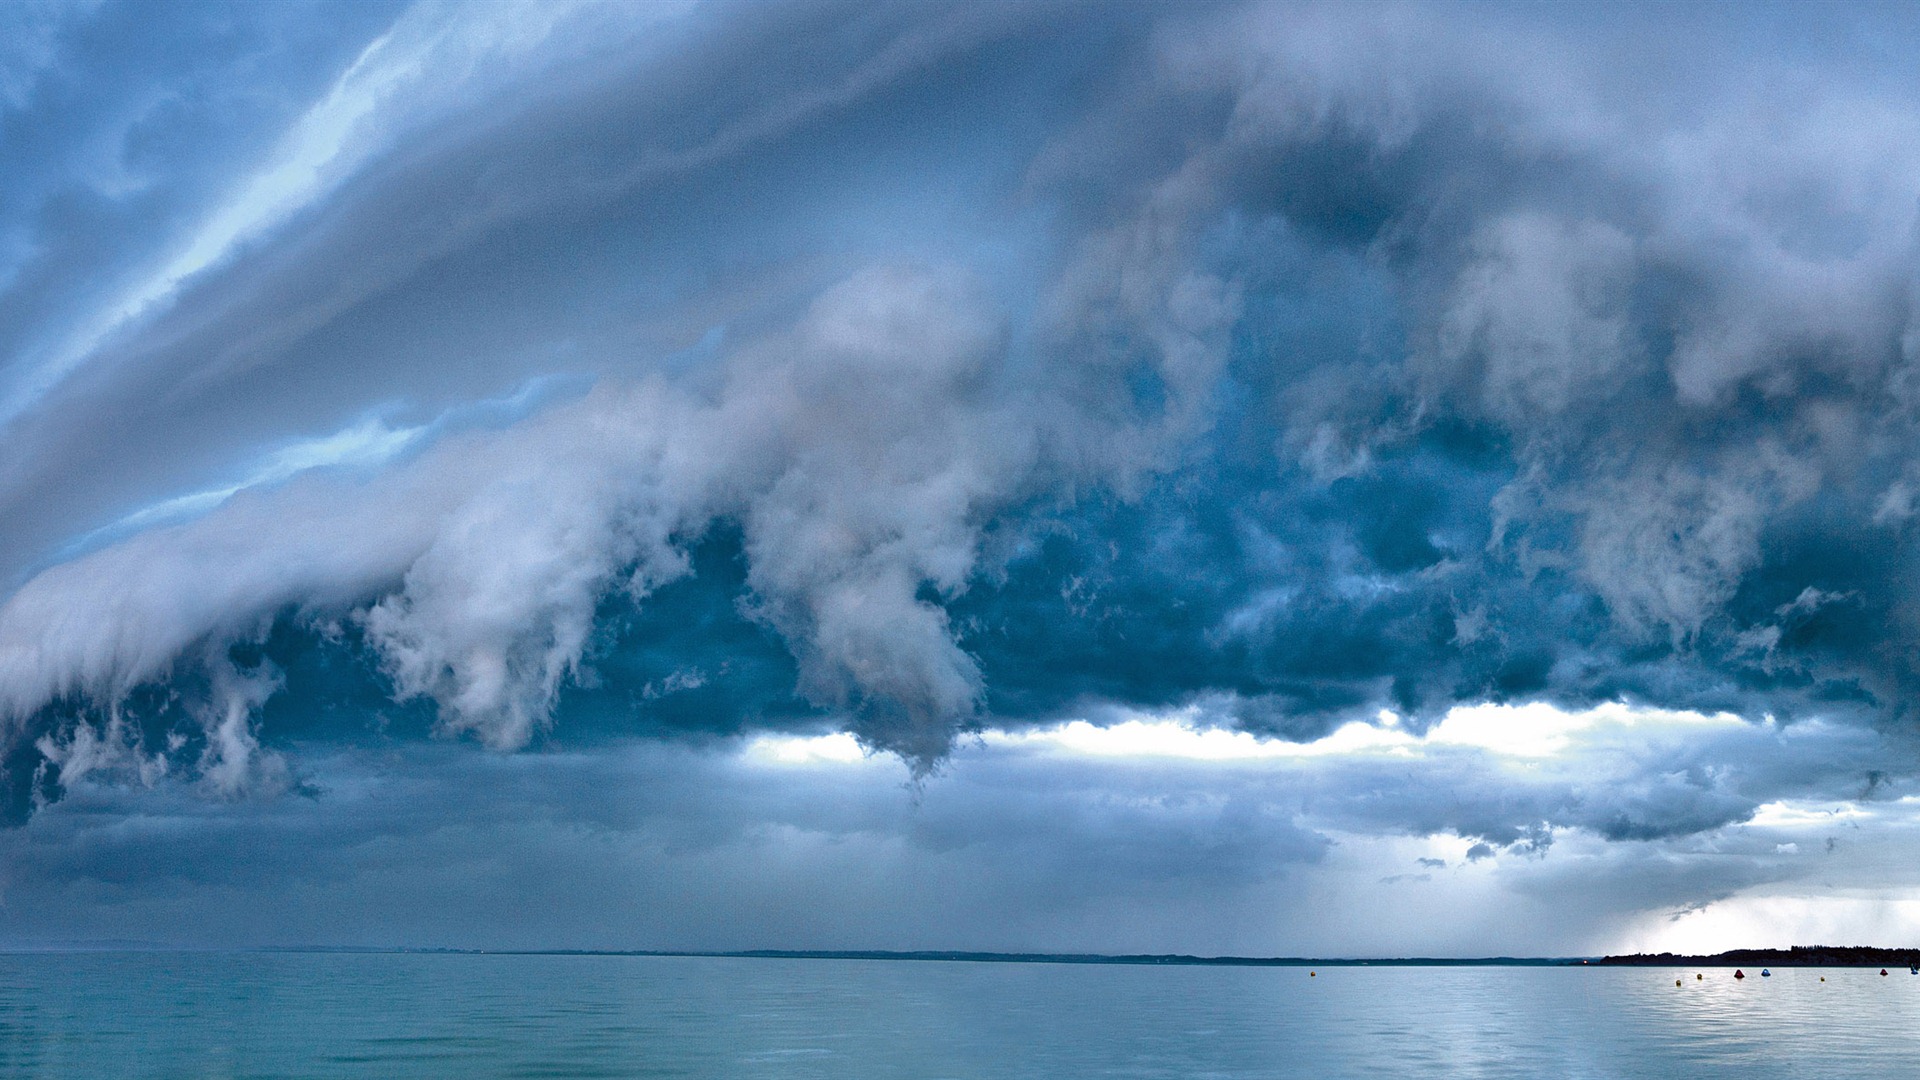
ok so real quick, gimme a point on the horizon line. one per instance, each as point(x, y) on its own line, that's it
point(1863, 952)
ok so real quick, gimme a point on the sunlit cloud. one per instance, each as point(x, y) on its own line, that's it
point(1523, 733)
point(1789, 815)
point(1766, 921)
point(838, 748)
point(1179, 738)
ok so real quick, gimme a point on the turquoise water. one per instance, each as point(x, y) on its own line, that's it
point(474, 1016)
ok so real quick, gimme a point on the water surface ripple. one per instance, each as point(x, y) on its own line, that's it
point(216, 1015)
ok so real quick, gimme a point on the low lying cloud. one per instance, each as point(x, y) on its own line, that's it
point(1152, 834)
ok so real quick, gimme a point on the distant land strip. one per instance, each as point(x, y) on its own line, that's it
point(1171, 959)
point(957, 956)
point(1798, 956)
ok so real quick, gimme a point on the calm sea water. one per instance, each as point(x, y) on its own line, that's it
point(385, 1015)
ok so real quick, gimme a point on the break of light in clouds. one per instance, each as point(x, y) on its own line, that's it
point(1237, 477)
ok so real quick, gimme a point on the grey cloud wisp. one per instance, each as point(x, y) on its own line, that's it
point(573, 373)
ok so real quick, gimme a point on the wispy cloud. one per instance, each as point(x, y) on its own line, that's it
point(434, 56)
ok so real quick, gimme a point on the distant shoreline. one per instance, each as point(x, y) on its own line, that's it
point(1157, 959)
point(1798, 956)
point(925, 955)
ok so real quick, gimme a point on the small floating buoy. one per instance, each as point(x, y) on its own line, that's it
point(1676, 982)
point(1313, 974)
point(1823, 978)
point(1738, 974)
point(1883, 971)
point(1698, 977)
point(1765, 974)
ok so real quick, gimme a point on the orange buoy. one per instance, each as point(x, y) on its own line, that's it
point(1313, 974)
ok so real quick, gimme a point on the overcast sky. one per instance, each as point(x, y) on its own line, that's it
point(1286, 479)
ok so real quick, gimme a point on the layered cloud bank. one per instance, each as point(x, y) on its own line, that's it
point(575, 372)
point(1637, 829)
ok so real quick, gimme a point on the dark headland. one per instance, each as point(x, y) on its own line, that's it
point(1798, 956)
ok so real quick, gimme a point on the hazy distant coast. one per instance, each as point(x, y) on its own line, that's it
point(961, 956)
point(1798, 956)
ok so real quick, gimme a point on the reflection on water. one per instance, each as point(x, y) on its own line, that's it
point(318, 1015)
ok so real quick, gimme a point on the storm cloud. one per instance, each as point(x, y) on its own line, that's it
point(558, 376)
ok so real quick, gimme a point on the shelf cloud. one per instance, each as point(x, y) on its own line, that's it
point(601, 379)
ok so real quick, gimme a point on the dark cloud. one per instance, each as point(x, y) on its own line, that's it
point(559, 376)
